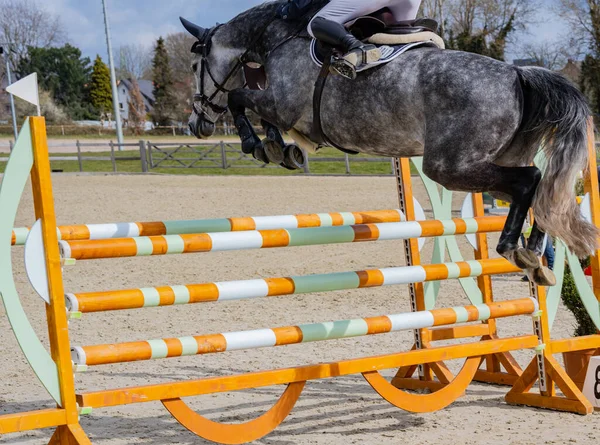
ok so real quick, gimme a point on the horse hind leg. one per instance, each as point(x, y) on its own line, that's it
point(541, 275)
point(519, 183)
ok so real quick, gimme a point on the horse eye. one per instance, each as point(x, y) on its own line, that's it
point(194, 67)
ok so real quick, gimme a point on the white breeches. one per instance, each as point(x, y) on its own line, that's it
point(344, 11)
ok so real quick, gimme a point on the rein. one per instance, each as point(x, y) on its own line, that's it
point(203, 47)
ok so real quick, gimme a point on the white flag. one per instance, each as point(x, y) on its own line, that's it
point(26, 89)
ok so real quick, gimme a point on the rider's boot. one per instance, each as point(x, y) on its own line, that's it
point(357, 54)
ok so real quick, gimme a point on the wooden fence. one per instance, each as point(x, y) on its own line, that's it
point(201, 155)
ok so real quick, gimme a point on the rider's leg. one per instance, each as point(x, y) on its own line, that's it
point(344, 11)
point(355, 53)
point(328, 27)
point(334, 34)
point(404, 10)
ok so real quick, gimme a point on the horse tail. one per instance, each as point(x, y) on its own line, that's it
point(556, 116)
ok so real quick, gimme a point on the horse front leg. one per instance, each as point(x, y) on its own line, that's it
point(251, 143)
point(272, 149)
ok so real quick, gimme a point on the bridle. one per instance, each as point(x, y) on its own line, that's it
point(202, 47)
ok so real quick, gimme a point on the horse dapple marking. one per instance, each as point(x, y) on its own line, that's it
point(478, 122)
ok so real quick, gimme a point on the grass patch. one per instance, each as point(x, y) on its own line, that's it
point(186, 158)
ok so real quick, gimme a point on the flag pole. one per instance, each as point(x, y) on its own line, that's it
point(113, 79)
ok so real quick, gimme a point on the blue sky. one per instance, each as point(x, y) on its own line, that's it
point(142, 21)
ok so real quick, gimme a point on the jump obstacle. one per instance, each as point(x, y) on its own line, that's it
point(488, 357)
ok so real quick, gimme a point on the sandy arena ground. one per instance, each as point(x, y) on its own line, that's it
point(333, 412)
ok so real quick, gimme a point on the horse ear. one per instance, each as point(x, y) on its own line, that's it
point(195, 30)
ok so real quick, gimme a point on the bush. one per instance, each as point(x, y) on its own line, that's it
point(571, 299)
point(570, 296)
point(53, 113)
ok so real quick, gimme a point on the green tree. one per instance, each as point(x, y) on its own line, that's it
point(583, 17)
point(484, 27)
point(65, 74)
point(100, 90)
point(482, 42)
point(590, 81)
point(164, 105)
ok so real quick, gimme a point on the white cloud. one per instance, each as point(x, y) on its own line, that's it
point(143, 21)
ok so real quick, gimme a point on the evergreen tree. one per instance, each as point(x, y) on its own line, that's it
point(65, 74)
point(137, 109)
point(590, 81)
point(164, 105)
point(100, 89)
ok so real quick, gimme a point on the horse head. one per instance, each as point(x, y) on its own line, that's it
point(216, 64)
point(221, 53)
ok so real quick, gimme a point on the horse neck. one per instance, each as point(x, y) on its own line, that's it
point(244, 29)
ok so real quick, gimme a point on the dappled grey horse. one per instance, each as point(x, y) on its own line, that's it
point(477, 122)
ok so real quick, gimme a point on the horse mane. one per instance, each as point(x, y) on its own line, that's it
point(260, 14)
point(245, 25)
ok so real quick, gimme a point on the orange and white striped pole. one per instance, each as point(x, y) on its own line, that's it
point(261, 239)
point(175, 227)
point(271, 287)
point(206, 344)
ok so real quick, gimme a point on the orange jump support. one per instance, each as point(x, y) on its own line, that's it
point(418, 368)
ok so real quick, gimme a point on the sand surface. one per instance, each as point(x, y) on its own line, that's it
point(339, 411)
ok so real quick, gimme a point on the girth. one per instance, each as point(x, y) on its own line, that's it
point(317, 132)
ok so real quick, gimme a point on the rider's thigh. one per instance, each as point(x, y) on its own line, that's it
point(404, 9)
point(343, 11)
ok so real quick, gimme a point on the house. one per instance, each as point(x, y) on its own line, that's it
point(124, 90)
point(572, 71)
point(526, 62)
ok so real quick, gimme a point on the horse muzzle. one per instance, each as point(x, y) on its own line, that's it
point(201, 127)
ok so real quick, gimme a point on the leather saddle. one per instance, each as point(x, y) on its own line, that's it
point(382, 29)
point(383, 22)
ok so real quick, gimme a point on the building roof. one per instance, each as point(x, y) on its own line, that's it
point(146, 88)
point(525, 62)
point(572, 71)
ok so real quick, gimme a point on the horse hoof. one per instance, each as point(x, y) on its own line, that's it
point(526, 259)
point(260, 155)
point(250, 145)
point(294, 158)
point(273, 150)
point(542, 276)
